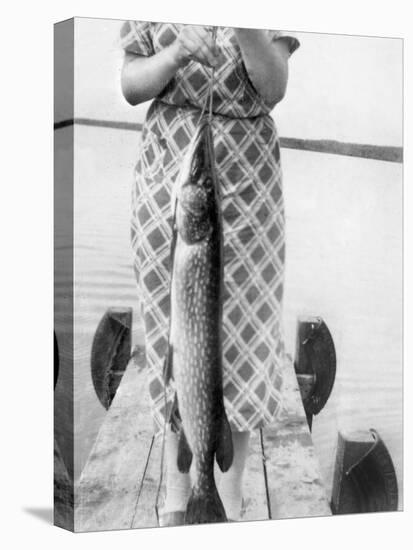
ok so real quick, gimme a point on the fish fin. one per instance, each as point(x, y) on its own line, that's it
point(225, 449)
point(168, 365)
point(184, 453)
point(205, 507)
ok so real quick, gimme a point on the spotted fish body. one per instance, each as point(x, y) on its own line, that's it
point(196, 324)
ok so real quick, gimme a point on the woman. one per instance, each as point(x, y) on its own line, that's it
point(173, 63)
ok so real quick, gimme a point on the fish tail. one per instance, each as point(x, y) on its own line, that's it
point(225, 449)
point(205, 507)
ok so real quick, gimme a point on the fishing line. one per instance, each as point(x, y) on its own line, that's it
point(211, 81)
point(208, 99)
point(171, 262)
point(207, 103)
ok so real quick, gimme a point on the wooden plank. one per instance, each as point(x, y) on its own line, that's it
point(294, 482)
point(106, 493)
point(295, 485)
point(255, 502)
point(363, 150)
point(124, 465)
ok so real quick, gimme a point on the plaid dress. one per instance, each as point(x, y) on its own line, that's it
point(248, 164)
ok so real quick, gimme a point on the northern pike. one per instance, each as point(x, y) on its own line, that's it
point(195, 353)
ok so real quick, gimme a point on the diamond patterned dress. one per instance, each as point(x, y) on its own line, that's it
point(248, 165)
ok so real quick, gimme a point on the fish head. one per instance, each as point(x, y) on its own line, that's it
point(196, 189)
point(194, 221)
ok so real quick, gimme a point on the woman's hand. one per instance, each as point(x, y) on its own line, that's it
point(195, 43)
point(145, 77)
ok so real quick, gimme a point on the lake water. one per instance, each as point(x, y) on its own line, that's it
point(344, 263)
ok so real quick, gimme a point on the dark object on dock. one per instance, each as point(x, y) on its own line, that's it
point(315, 364)
point(111, 351)
point(55, 359)
point(364, 477)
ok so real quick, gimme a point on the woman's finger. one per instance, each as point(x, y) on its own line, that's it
point(206, 37)
point(206, 55)
point(196, 52)
point(204, 46)
point(197, 44)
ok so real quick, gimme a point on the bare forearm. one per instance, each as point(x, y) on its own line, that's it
point(143, 78)
point(266, 63)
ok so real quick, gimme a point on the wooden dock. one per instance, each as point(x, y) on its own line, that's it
point(117, 488)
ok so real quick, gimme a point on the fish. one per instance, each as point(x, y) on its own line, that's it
point(195, 351)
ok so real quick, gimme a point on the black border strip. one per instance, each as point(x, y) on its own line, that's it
point(376, 152)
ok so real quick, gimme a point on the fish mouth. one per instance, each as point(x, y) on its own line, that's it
point(196, 195)
point(186, 172)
